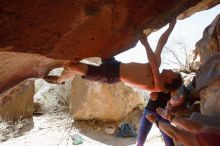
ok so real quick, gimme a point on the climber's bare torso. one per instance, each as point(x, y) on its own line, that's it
point(137, 75)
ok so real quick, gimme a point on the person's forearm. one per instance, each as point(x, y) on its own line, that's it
point(149, 52)
point(158, 83)
point(147, 47)
point(163, 40)
point(187, 124)
point(169, 129)
point(181, 136)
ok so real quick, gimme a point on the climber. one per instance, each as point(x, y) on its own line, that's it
point(145, 76)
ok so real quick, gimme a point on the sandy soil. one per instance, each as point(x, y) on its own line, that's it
point(56, 129)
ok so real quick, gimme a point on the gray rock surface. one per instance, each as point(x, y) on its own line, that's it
point(17, 102)
point(93, 100)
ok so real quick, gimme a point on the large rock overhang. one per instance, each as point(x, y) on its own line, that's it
point(77, 29)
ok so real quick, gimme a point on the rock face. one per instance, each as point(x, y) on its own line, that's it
point(208, 77)
point(208, 45)
point(18, 102)
point(207, 49)
point(93, 100)
point(210, 103)
point(208, 83)
point(209, 72)
point(16, 67)
point(78, 29)
point(199, 7)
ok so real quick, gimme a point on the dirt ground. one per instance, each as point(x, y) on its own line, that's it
point(55, 129)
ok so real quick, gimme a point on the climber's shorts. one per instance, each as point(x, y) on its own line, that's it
point(108, 72)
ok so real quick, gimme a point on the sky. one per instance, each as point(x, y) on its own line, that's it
point(187, 31)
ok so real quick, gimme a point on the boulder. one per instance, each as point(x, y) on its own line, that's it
point(208, 83)
point(208, 76)
point(210, 103)
point(208, 45)
point(93, 100)
point(207, 49)
point(17, 103)
point(209, 72)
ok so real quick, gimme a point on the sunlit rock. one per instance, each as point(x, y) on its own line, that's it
point(208, 45)
point(17, 103)
point(208, 82)
point(210, 103)
point(209, 72)
point(208, 76)
point(67, 29)
point(93, 100)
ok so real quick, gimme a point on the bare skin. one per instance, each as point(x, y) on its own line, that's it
point(144, 76)
point(187, 131)
point(147, 76)
point(185, 135)
point(177, 99)
point(138, 75)
point(184, 123)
